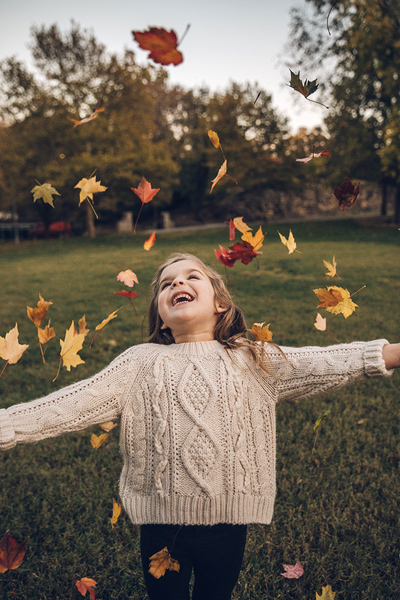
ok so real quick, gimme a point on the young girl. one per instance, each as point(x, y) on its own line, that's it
point(197, 410)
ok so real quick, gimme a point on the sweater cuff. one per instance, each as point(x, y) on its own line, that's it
point(374, 365)
point(7, 433)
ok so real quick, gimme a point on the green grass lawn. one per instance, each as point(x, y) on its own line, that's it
point(337, 508)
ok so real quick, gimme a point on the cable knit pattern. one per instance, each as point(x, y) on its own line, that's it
point(198, 434)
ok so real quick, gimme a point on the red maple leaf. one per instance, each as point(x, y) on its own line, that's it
point(125, 294)
point(244, 252)
point(224, 256)
point(162, 45)
point(146, 193)
point(11, 553)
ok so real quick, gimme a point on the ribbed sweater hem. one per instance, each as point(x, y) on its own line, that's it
point(195, 510)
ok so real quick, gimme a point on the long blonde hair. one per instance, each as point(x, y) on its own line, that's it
point(230, 329)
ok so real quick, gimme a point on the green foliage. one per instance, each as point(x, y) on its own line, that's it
point(336, 509)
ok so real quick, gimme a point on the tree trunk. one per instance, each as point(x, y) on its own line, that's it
point(397, 205)
point(384, 199)
point(90, 227)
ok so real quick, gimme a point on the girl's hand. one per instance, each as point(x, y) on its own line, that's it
point(391, 355)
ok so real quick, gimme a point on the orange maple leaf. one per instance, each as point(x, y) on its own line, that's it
point(11, 553)
point(150, 242)
point(107, 319)
point(98, 440)
point(86, 585)
point(162, 45)
point(146, 193)
point(46, 334)
point(220, 175)
point(261, 332)
point(38, 314)
point(161, 561)
point(87, 119)
point(116, 512)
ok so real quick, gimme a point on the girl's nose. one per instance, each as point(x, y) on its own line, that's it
point(177, 282)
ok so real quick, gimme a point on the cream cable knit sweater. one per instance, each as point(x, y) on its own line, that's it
point(197, 422)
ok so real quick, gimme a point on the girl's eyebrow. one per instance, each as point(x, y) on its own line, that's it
point(187, 271)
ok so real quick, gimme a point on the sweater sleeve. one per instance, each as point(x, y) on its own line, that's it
point(303, 372)
point(91, 401)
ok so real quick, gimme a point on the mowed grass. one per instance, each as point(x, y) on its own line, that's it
point(337, 508)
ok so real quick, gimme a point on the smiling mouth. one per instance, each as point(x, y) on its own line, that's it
point(181, 298)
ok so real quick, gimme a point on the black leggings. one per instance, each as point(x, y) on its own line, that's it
point(214, 552)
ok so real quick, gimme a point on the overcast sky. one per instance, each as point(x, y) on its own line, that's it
point(228, 40)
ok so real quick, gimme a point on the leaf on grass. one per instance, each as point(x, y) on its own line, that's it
point(347, 193)
point(108, 426)
point(46, 334)
point(331, 267)
point(220, 175)
point(261, 332)
point(87, 119)
point(85, 585)
point(320, 323)
point(144, 190)
point(293, 571)
point(313, 155)
point(10, 349)
point(11, 553)
point(107, 319)
point(70, 347)
point(89, 187)
point(127, 277)
point(214, 138)
point(335, 300)
point(160, 562)
point(98, 440)
point(327, 593)
point(116, 512)
point(150, 242)
point(45, 191)
point(320, 418)
point(38, 314)
point(125, 294)
point(289, 242)
point(162, 45)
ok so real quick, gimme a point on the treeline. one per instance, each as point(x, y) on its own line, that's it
point(148, 128)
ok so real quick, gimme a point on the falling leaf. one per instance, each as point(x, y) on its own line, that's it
point(125, 294)
point(293, 571)
point(162, 45)
point(232, 230)
point(108, 426)
point(45, 191)
point(224, 256)
point(89, 187)
point(256, 241)
point(11, 553)
point(336, 300)
point(331, 268)
point(107, 319)
point(320, 418)
point(313, 155)
point(10, 349)
point(320, 323)
point(244, 252)
point(220, 175)
point(240, 225)
point(98, 440)
point(116, 512)
point(346, 193)
point(214, 138)
point(327, 593)
point(38, 314)
point(46, 334)
point(87, 119)
point(144, 190)
point(160, 562)
point(70, 348)
point(82, 326)
point(261, 333)
point(305, 89)
point(150, 242)
point(86, 585)
point(127, 277)
point(289, 242)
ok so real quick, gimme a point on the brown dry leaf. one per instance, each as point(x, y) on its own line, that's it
point(261, 333)
point(109, 426)
point(11, 553)
point(214, 138)
point(116, 512)
point(161, 561)
point(46, 334)
point(107, 319)
point(86, 585)
point(10, 349)
point(98, 440)
point(38, 314)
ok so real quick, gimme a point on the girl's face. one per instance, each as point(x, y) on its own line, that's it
point(186, 302)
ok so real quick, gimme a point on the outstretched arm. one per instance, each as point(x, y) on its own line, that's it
point(391, 355)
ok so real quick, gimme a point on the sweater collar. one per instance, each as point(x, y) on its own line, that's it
point(195, 348)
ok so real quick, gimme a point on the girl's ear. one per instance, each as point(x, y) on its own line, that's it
point(219, 308)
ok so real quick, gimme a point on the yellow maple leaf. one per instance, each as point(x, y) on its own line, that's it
point(45, 191)
point(116, 512)
point(240, 225)
point(89, 187)
point(38, 314)
point(108, 426)
point(10, 349)
point(255, 240)
point(336, 300)
point(161, 561)
point(107, 319)
point(220, 174)
point(331, 268)
point(70, 347)
point(289, 242)
point(260, 332)
point(213, 138)
point(327, 593)
point(46, 334)
point(98, 440)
